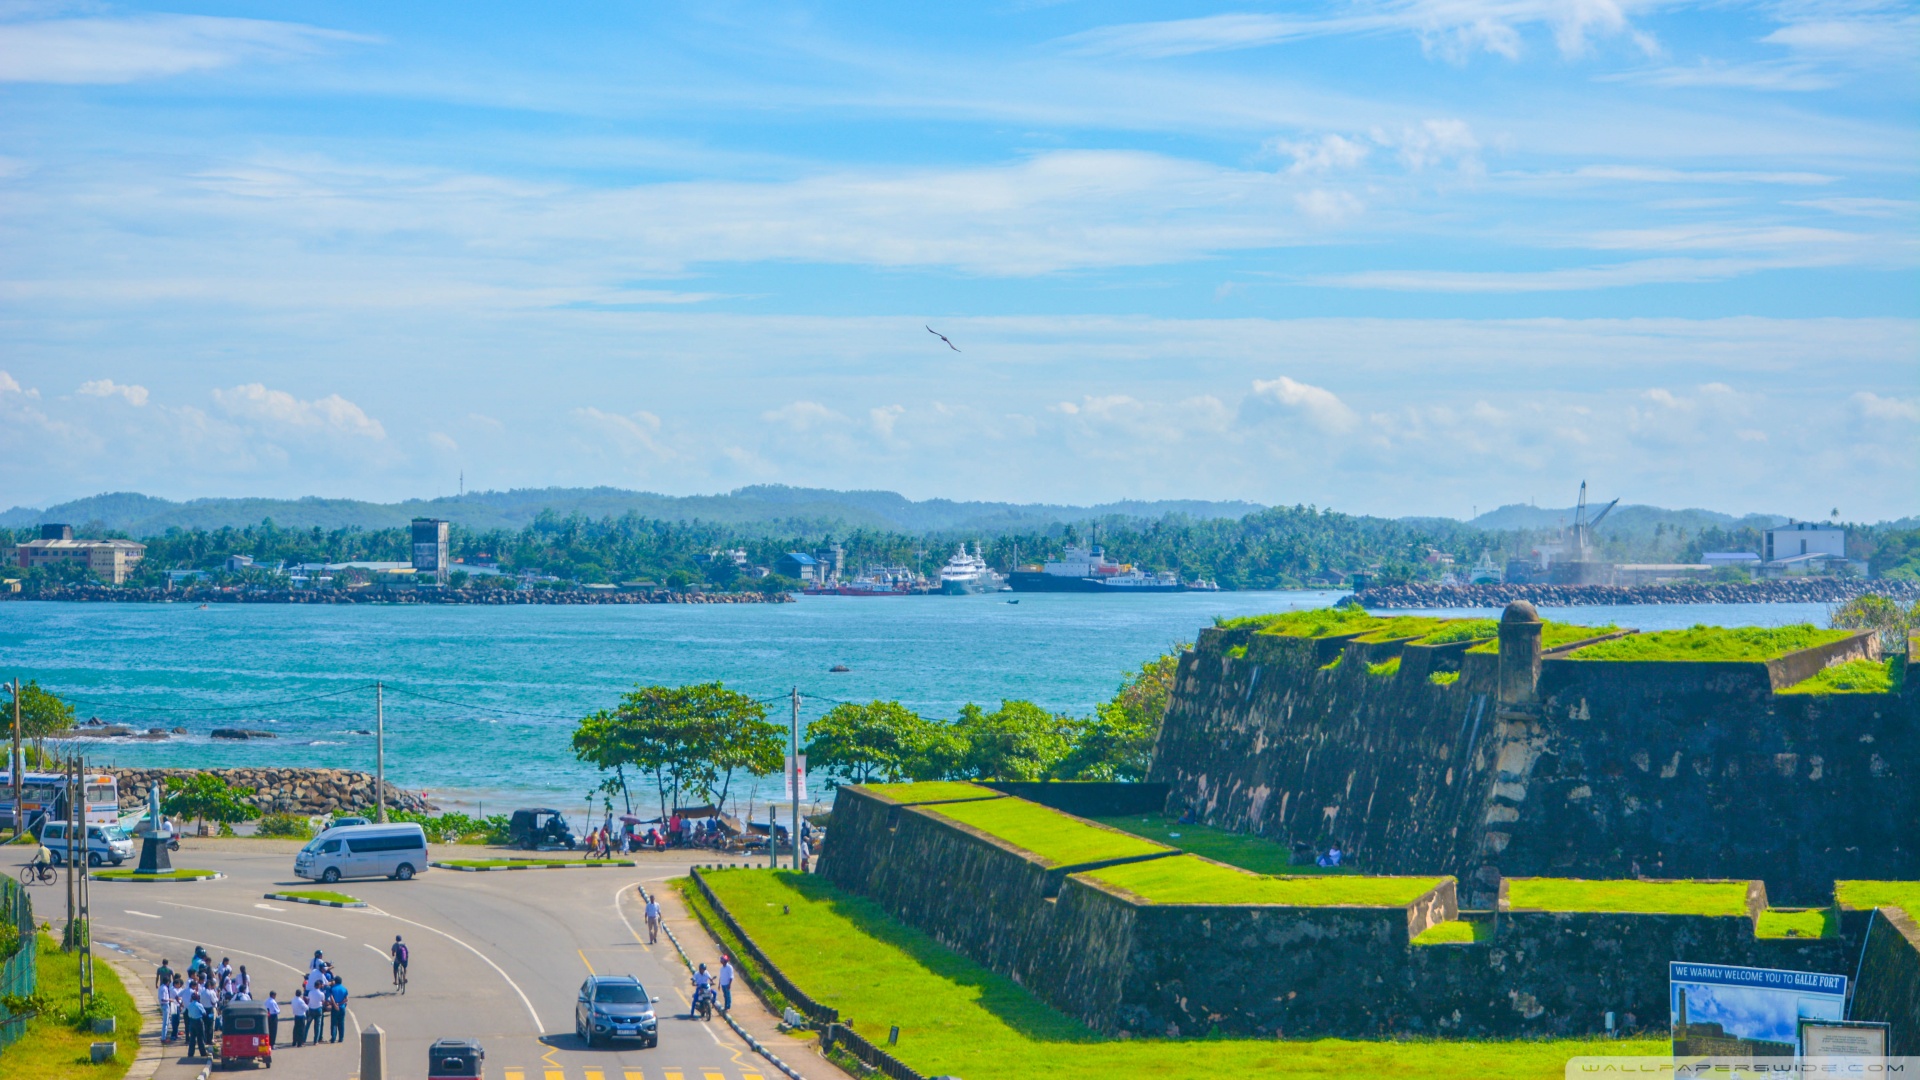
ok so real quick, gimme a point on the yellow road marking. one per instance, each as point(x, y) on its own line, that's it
point(516, 1074)
point(584, 960)
point(713, 1074)
point(634, 1074)
point(675, 1074)
point(596, 1074)
point(751, 1076)
point(556, 1074)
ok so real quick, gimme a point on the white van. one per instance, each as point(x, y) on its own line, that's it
point(397, 851)
point(104, 844)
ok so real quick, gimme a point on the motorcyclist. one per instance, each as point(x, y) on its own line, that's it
point(702, 990)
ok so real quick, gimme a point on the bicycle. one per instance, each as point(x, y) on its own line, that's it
point(400, 979)
point(38, 873)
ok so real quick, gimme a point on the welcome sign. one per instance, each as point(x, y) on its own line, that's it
point(1724, 1011)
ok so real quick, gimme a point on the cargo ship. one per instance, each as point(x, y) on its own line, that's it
point(1087, 570)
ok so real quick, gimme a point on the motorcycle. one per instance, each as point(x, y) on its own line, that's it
point(703, 1002)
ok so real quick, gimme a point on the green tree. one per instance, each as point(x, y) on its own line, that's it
point(881, 740)
point(685, 738)
point(42, 715)
point(1889, 618)
point(206, 797)
point(1017, 741)
point(1118, 744)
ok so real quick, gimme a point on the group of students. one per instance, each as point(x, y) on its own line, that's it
point(319, 1008)
point(190, 1002)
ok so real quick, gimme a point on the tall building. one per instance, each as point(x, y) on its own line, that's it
point(430, 548)
point(110, 560)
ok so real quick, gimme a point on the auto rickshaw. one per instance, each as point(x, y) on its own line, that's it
point(535, 828)
point(243, 1035)
point(456, 1059)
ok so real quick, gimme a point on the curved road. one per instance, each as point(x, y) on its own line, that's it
point(498, 957)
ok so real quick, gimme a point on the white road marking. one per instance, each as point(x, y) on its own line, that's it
point(524, 1000)
point(269, 907)
point(142, 914)
point(262, 918)
point(376, 951)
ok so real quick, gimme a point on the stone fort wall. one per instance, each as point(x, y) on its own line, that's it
point(1539, 765)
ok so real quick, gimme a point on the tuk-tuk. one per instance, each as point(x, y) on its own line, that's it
point(534, 828)
point(243, 1034)
point(455, 1059)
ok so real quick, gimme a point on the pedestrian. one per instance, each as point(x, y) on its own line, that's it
point(653, 921)
point(196, 1017)
point(210, 1015)
point(164, 976)
point(165, 994)
point(316, 1013)
point(726, 982)
point(179, 1006)
point(273, 1018)
point(299, 1019)
point(318, 963)
point(339, 996)
point(245, 988)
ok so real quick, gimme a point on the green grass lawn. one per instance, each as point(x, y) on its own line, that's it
point(1059, 838)
point(1454, 932)
point(1641, 897)
point(958, 1018)
point(1236, 849)
point(1311, 623)
point(1553, 635)
point(322, 895)
point(933, 791)
point(1713, 643)
point(1184, 879)
point(176, 874)
point(1852, 677)
point(1399, 627)
point(1871, 894)
point(1385, 669)
point(1807, 923)
point(53, 1048)
point(1462, 630)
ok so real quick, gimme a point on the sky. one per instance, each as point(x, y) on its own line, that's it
point(1390, 256)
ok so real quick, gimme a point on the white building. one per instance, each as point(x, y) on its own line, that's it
point(1798, 538)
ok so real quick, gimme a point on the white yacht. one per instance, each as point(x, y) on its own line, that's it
point(966, 574)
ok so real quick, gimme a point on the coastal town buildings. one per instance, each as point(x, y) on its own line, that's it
point(110, 560)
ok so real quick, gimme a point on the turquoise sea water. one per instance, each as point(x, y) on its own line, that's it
point(511, 682)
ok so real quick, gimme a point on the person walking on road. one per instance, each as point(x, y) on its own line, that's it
point(726, 982)
point(273, 1018)
point(653, 921)
point(339, 996)
point(299, 1019)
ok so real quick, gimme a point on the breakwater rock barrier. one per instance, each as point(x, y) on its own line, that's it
point(377, 595)
point(1788, 591)
point(280, 791)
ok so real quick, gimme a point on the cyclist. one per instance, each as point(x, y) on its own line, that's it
point(42, 862)
point(399, 954)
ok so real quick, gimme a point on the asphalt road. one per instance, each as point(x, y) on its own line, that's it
point(497, 957)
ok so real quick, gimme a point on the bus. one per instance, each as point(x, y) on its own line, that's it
point(44, 795)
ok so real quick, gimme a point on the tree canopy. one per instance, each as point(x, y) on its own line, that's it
point(685, 738)
point(42, 714)
point(207, 797)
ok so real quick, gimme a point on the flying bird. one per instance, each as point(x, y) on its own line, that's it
point(943, 337)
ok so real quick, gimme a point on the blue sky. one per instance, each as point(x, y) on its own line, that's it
point(1395, 257)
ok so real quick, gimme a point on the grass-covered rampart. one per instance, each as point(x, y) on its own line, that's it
point(1061, 839)
point(1854, 677)
point(958, 1018)
point(919, 791)
point(1639, 897)
point(1554, 635)
point(1904, 895)
point(1721, 644)
point(1221, 845)
point(1185, 879)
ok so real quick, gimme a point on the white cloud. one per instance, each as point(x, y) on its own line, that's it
point(332, 414)
point(1328, 207)
point(11, 385)
point(135, 395)
point(1325, 154)
point(118, 50)
point(1319, 406)
point(1434, 142)
point(1874, 407)
point(804, 416)
point(440, 440)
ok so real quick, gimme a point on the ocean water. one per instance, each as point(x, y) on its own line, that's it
point(480, 701)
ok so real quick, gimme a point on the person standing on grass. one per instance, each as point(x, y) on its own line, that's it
point(653, 921)
point(339, 996)
point(299, 1019)
point(726, 982)
point(273, 1018)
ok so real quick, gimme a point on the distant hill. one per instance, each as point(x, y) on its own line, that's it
point(1631, 523)
point(144, 515)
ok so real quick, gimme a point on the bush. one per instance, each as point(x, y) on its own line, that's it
point(75, 935)
point(284, 826)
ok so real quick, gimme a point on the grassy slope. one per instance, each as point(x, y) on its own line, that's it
point(52, 1048)
point(933, 790)
point(1058, 837)
point(1867, 894)
point(958, 1018)
point(1812, 922)
point(1236, 849)
point(1713, 643)
point(1184, 879)
point(1852, 677)
point(1645, 897)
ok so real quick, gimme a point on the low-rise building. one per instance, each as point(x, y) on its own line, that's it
point(1805, 538)
point(800, 566)
point(110, 560)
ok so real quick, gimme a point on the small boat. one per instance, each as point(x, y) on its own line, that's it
point(839, 667)
point(1013, 601)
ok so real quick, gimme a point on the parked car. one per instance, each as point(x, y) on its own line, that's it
point(615, 1007)
point(534, 828)
point(103, 844)
point(397, 851)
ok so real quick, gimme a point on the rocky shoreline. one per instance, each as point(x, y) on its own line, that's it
point(1789, 591)
point(376, 595)
point(281, 791)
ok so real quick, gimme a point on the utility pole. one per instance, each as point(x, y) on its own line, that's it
point(86, 887)
point(379, 754)
point(19, 766)
point(793, 777)
point(72, 826)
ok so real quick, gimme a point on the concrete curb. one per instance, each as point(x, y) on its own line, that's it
point(789, 1071)
point(151, 880)
point(147, 1052)
point(291, 899)
point(536, 866)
